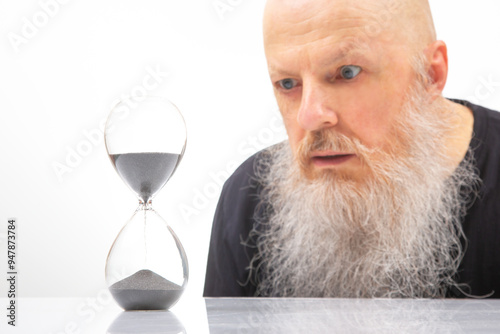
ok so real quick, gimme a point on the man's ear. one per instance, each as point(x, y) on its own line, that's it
point(437, 55)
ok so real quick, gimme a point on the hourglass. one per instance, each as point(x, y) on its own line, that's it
point(146, 268)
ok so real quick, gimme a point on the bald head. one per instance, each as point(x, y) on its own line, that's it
point(408, 24)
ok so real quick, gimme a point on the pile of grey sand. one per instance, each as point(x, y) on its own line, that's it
point(145, 290)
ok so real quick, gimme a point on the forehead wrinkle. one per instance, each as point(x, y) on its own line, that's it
point(315, 28)
point(336, 52)
point(294, 36)
point(313, 33)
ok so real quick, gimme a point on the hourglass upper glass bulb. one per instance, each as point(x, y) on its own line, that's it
point(145, 144)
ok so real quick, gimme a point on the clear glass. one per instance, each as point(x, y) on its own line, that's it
point(147, 267)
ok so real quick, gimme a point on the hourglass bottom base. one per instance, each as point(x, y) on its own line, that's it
point(135, 300)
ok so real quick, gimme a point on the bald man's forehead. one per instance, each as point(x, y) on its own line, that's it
point(411, 20)
point(321, 18)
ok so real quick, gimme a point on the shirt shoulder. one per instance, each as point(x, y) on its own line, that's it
point(242, 188)
point(485, 144)
point(231, 250)
point(480, 268)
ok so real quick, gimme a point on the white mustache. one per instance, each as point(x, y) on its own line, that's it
point(329, 140)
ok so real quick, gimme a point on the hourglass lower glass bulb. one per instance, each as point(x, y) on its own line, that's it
point(147, 242)
point(147, 267)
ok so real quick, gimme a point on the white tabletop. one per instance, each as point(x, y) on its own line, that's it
point(257, 315)
point(353, 316)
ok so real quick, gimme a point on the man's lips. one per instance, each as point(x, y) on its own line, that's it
point(330, 158)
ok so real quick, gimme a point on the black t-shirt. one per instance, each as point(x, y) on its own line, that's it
point(230, 252)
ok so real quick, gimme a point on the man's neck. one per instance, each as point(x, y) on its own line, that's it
point(462, 134)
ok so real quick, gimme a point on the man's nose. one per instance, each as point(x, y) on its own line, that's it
point(316, 111)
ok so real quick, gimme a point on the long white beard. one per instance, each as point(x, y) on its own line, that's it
point(397, 234)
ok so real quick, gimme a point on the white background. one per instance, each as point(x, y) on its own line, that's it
point(64, 79)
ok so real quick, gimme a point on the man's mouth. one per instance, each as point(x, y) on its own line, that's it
point(326, 159)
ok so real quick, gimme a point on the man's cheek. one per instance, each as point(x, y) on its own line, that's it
point(295, 136)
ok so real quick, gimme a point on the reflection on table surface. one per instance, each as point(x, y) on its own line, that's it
point(146, 322)
point(352, 316)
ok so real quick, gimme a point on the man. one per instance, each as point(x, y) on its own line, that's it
point(384, 188)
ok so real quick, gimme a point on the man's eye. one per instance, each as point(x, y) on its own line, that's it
point(349, 72)
point(287, 84)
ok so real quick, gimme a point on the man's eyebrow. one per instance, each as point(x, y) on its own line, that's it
point(335, 57)
point(343, 53)
point(275, 70)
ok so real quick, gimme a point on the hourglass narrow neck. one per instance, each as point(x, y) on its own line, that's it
point(145, 205)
